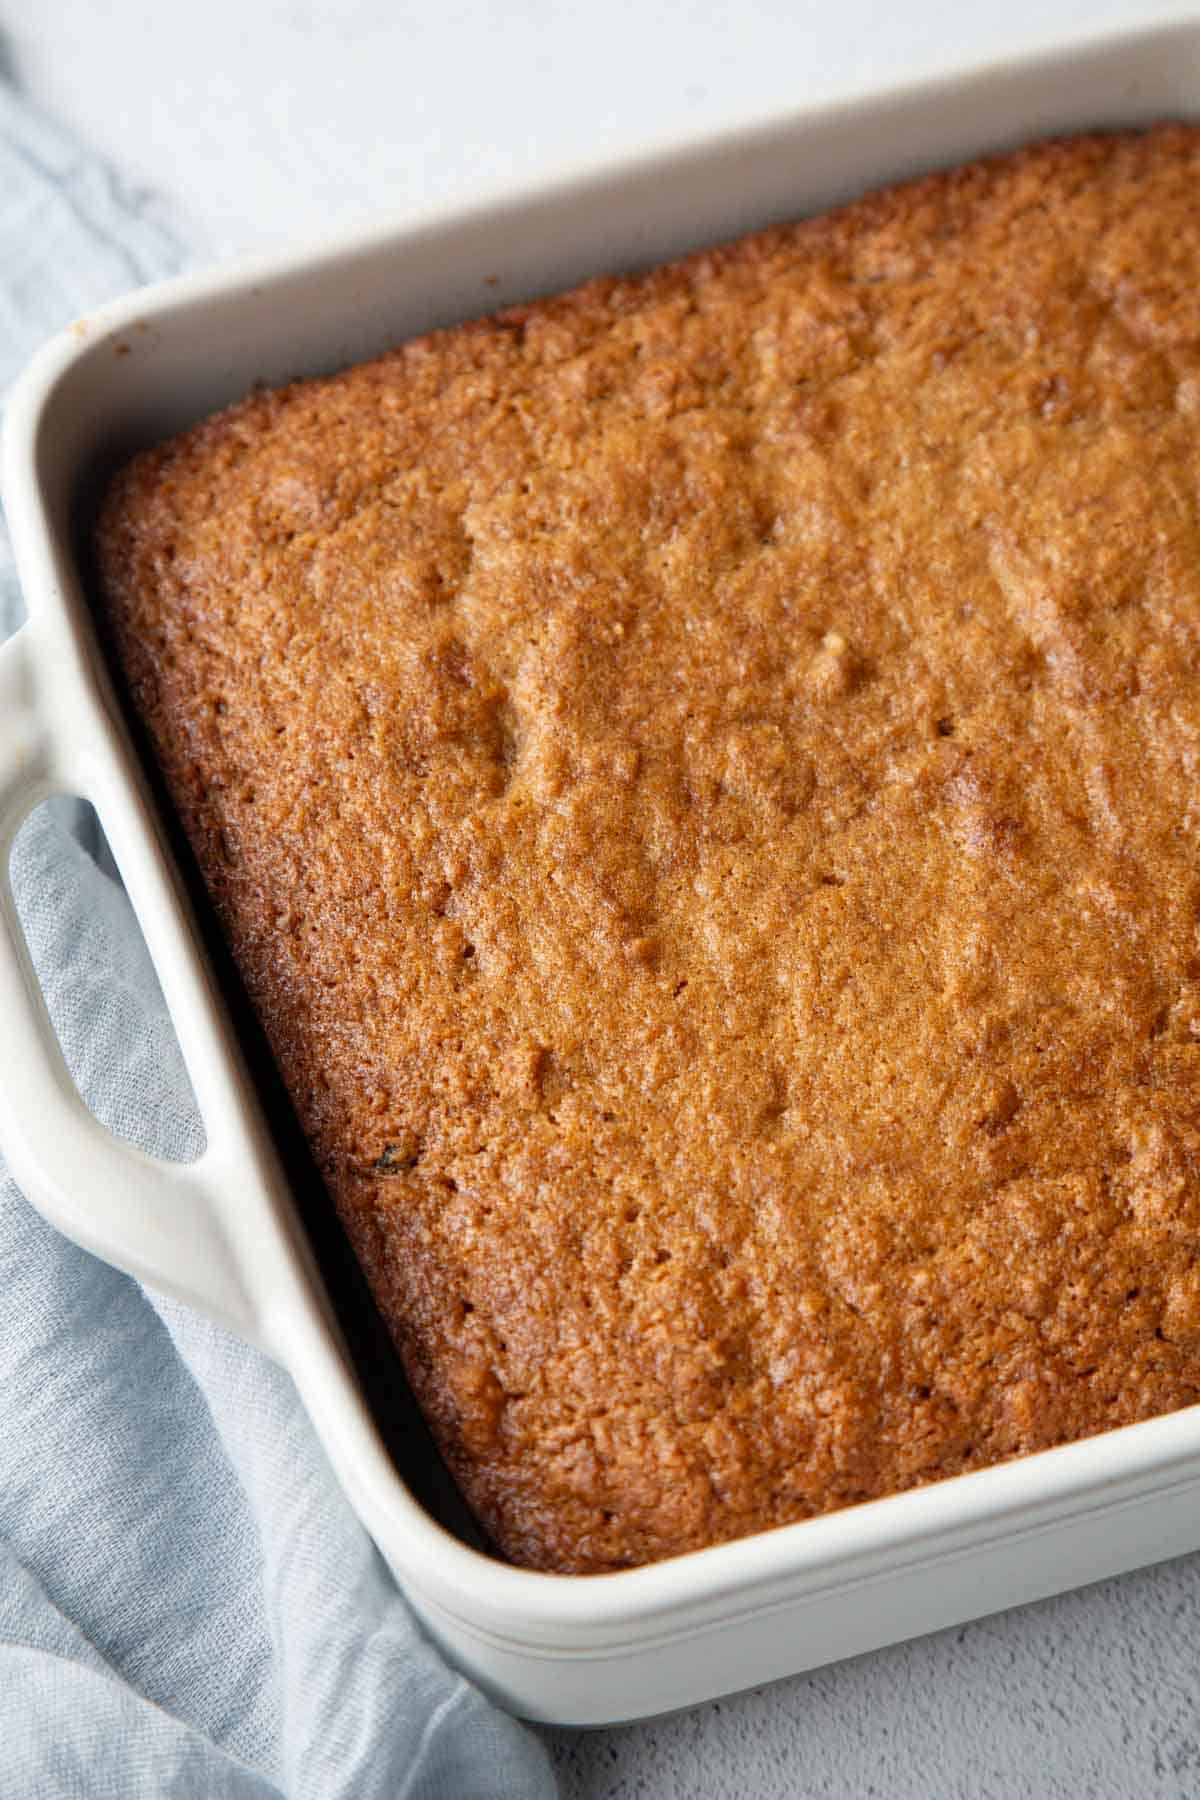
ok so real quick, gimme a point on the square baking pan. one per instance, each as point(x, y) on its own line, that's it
point(244, 1233)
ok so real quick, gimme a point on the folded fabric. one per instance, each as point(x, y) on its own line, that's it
point(187, 1603)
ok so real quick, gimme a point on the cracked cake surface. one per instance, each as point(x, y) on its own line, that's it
point(699, 776)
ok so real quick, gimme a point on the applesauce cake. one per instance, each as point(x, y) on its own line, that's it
point(699, 777)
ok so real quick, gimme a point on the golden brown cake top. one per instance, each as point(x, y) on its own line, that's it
point(700, 776)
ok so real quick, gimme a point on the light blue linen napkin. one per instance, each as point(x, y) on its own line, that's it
point(187, 1604)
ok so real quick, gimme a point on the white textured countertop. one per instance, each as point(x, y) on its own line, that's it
point(254, 120)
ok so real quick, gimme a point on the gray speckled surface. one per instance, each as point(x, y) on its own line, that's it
point(257, 119)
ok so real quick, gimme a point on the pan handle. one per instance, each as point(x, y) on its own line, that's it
point(158, 1221)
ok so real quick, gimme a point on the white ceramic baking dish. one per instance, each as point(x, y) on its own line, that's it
point(226, 1233)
